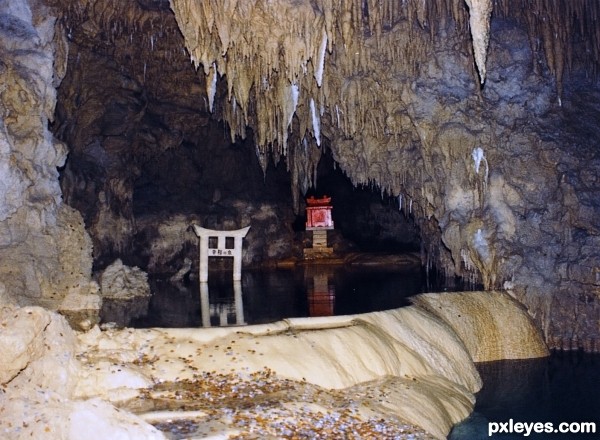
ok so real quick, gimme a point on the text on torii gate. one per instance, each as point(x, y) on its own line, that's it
point(221, 246)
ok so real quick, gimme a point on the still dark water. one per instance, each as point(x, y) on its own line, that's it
point(271, 295)
point(563, 388)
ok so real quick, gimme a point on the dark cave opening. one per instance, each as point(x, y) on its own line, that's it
point(210, 183)
point(217, 184)
point(199, 176)
point(366, 216)
point(147, 160)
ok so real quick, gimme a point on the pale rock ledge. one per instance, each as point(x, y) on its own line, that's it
point(406, 368)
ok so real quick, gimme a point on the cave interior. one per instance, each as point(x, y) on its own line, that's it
point(462, 131)
point(157, 156)
point(460, 134)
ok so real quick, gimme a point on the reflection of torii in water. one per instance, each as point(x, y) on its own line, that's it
point(222, 310)
point(228, 244)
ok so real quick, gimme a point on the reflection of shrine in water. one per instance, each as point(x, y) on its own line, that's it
point(221, 308)
point(320, 290)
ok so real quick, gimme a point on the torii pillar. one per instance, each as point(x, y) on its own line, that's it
point(223, 249)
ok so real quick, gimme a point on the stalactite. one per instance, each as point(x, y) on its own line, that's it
point(561, 26)
point(278, 59)
point(295, 48)
point(480, 14)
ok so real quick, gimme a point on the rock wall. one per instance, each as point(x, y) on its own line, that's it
point(44, 249)
point(498, 177)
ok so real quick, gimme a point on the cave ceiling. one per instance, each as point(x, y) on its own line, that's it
point(402, 95)
point(399, 93)
point(306, 76)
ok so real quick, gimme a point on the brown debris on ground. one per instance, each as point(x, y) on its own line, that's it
point(264, 406)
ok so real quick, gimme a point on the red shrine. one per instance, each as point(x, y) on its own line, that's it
point(318, 213)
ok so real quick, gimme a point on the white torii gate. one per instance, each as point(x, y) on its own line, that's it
point(222, 249)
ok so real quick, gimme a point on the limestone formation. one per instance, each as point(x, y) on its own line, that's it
point(404, 367)
point(39, 374)
point(44, 248)
point(481, 322)
point(500, 181)
point(479, 21)
point(119, 281)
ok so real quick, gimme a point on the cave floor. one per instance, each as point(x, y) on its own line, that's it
point(264, 406)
